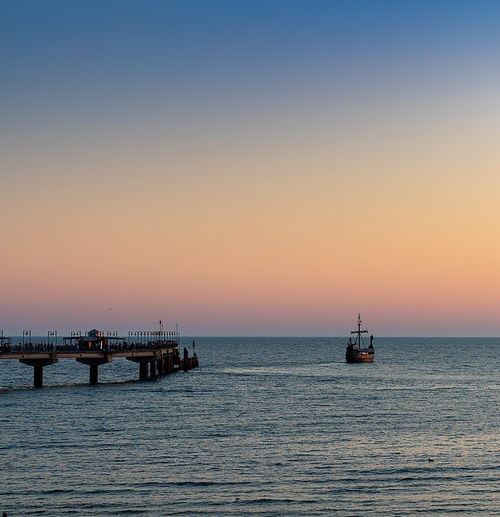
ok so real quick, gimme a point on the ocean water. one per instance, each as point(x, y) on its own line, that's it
point(264, 427)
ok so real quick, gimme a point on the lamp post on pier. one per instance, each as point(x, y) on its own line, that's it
point(52, 333)
point(27, 333)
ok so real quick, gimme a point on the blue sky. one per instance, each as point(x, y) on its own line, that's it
point(95, 53)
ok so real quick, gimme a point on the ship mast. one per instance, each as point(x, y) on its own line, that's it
point(359, 331)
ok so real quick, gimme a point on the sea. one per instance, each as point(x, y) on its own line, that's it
point(264, 427)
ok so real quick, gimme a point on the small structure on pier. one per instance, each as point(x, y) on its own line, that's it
point(159, 355)
point(93, 340)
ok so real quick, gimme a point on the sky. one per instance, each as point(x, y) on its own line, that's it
point(250, 168)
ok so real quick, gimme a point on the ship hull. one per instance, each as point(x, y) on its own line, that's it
point(364, 355)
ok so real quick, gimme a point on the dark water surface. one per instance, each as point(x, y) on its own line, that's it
point(265, 427)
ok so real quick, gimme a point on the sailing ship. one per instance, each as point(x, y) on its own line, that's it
point(355, 351)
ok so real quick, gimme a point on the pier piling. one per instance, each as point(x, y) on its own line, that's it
point(143, 371)
point(38, 365)
point(94, 369)
point(38, 376)
point(94, 363)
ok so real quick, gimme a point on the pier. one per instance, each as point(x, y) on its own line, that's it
point(156, 352)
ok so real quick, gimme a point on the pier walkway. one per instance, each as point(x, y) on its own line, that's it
point(155, 358)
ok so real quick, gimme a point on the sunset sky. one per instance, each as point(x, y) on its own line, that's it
point(260, 168)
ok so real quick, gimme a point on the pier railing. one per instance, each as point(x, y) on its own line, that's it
point(9, 348)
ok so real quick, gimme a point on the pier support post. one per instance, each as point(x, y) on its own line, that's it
point(152, 366)
point(38, 376)
point(143, 371)
point(94, 373)
point(186, 359)
point(38, 365)
point(94, 363)
point(194, 358)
